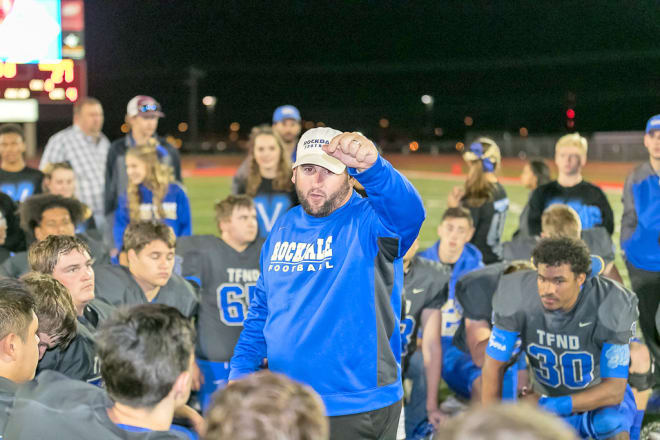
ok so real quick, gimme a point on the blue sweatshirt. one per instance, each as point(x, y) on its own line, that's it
point(326, 307)
point(175, 204)
point(640, 223)
point(452, 312)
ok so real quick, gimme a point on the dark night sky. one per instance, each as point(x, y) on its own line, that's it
point(349, 63)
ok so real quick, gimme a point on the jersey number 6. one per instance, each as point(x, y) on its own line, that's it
point(233, 300)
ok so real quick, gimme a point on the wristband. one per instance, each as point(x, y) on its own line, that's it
point(562, 405)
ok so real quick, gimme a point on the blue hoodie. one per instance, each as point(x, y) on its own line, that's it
point(452, 312)
point(175, 204)
point(326, 307)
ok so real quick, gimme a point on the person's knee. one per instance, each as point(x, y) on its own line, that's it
point(640, 375)
point(607, 422)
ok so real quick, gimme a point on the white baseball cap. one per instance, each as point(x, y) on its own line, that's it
point(310, 149)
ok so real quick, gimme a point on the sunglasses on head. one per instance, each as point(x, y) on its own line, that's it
point(149, 108)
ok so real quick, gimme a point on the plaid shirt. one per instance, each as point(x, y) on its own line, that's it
point(87, 158)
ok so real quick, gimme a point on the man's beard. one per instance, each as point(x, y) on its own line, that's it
point(330, 205)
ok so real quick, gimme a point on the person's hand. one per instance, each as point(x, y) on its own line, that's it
point(529, 396)
point(455, 196)
point(353, 150)
point(196, 420)
point(437, 417)
point(197, 377)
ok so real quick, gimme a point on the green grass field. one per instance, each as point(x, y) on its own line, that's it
point(203, 191)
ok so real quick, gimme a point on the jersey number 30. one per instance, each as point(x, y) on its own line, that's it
point(573, 369)
point(233, 300)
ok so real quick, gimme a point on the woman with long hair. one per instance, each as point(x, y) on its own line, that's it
point(152, 193)
point(484, 196)
point(534, 174)
point(268, 179)
point(60, 179)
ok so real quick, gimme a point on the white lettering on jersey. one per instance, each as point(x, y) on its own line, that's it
point(269, 222)
point(242, 275)
point(567, 342)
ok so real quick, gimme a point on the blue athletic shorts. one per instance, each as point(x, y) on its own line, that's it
point(215, 376)
point(606, 421)
point(459, 372)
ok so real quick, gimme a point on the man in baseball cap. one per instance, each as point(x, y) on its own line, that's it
point(286, 123)
point(142, 115)
point(313, 284)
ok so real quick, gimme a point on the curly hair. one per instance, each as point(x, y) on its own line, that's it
point(556, 251)
point(33, 208)
point(157, 180)
point(282, 181)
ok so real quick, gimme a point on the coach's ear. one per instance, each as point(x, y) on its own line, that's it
point(293, 176)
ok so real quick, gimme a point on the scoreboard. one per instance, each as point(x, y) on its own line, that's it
point(48, 66)
point(49, 83)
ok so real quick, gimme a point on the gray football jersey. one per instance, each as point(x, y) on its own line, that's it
point(227, 279)
point(116, 285)
point(474, 293)
point(77, 361)
point(7, 392)
point(599, 243)
point(424, 287)
point(55, 407)
point(564, 349)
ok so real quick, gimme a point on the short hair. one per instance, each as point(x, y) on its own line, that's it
point(12, 129)
point(266, 406)
point(16, 308)
point(43, 255)
point(141, 233)
point(142, 351)
point(225, 207)
point(572, 140)
point(458, 212)
point(504, 421)
point(51, 167)
point(560, 220)
point(53, 306)
point(78, 106)
point(556, 251)
point(517, 265)
point(32, 209)
point(541, 171)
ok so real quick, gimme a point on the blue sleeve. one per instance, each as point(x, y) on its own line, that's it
point(183, 215)
point(501, 344)
point(395, 200)
point(122, 219)
point(614, 360)
point(250, 349)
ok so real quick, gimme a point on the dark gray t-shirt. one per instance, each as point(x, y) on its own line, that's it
point(564, 348)
point(474, 293)
point(424, 287)
point(116, 285)
point(227, 279)
point(55, 407)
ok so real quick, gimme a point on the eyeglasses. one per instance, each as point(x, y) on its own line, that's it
point(149, 108)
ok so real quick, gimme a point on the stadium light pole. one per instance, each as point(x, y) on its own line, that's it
point(428, 102)
point(194, 75)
